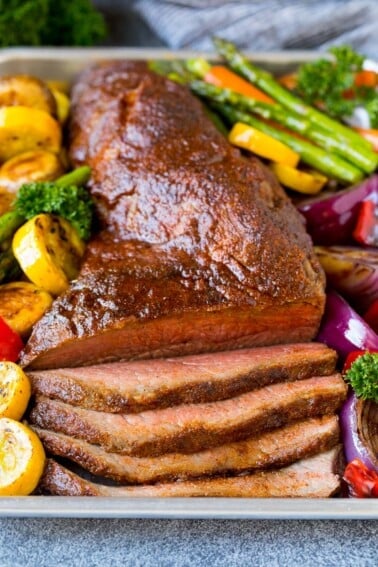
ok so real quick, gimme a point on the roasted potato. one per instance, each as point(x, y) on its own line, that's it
point(24, 90)
point(25, 129)
point(22, 304)
point(31, 166)
point(49, 252)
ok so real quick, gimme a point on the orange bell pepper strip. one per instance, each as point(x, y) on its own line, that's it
point(366, 79)
point(221, 76)
point(370, 135)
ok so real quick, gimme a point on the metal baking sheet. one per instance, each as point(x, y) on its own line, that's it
point(64, 64)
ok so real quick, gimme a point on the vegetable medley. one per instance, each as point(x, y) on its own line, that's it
point(304, 126)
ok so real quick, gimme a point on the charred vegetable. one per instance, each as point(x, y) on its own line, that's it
point(351, 271)
point(22, 458)
point(27, 167)
point(22, 304)
point(15, 390)
point(49, 252)
point(24, 90)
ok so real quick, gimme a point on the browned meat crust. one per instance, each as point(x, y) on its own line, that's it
point(277, 448)
point(190, 428)
point(202, 249)
point(136, 386)
point(310, 478)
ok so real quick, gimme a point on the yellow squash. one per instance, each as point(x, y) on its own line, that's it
point(301, 181)
point(23, 129)
point(255, 141)
point(22, 458)
point(22, 304)
point(62, 105)
point(38, 165)
point(49, 252)
point(15, 390)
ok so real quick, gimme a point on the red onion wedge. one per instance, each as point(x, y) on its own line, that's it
point(331, 218)
point(351, 271)
point(343, 329)
point(359, 429)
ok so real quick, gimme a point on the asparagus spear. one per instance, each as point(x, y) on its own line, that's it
point(323, 161)
point(299, 124)
point(9, 267)
point(268, 84)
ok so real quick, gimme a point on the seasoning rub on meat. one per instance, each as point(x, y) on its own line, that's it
point(201, 249)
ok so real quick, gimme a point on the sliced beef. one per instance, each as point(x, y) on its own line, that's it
point(135, 386)
point(273, 449)
point(311, 478)
point(192, 427)
point(201, 249)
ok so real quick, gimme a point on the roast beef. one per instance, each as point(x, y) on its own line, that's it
point(315, 477)
point(201, 249)
point(192, 427)
point(135, 386)
point(273, 449)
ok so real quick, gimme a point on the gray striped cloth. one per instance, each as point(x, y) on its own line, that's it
point(264, 25)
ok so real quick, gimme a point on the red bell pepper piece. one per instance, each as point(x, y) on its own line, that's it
point(366, 229)
point(371, 316)
point(352, 356)
point(10, 342)
point(362, 482)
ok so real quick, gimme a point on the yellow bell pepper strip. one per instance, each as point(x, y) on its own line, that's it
point(22, 304)
point(301, 181)
point(49, 252)
point(24, 129)
point(10, 342)
point(266, 146)
point(22, 458)
point(15, 390)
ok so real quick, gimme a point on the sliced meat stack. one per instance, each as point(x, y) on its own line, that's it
point(201, 249)
point(194, 424)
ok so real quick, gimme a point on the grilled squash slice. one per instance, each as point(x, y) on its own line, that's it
point(27, 167)
point(24, 129)
point(15, 390)
point(62, 105)
point(24, 90)
point(22, 304)
point(49, 252)
point(22, 458)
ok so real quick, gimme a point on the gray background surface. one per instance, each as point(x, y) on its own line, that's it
point(113, 543)
point(102, 543)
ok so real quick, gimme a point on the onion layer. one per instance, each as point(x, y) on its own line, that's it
point(331, 218)
point(343, 329)
point(359, 428)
